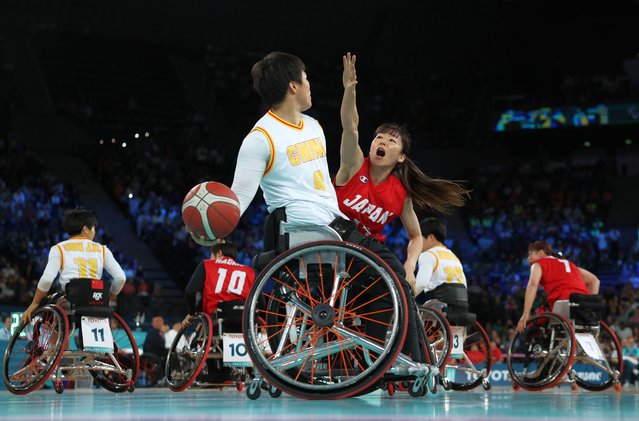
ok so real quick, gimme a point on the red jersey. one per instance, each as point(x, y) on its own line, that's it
point(560, 278)
point(226, 280)
point(373, 206)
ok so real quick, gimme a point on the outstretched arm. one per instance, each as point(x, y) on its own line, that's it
point(252, 161)
point(415, 241)
point(591, 280)
point(351, 155)
point(531, 293)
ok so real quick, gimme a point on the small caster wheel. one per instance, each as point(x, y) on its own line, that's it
point(573, 386)
point(391, 389)
point(58, 386)
point(516, 386)
point(486, 385)
point(130, 386)
point(416, 393)
point(254, 391)
point(618, 387)
point(274, 392)
point(239, 386)
point(445, 383)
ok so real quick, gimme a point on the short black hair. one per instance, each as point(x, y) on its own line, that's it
point(227, 248)
point(433, 226)
point(75, 219)
point(273, 73)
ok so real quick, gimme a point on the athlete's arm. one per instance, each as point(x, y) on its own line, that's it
point(251, 163)
point(591, 280)
point(195, 284)
point(427, 265)
point(531, 293)
point(115, 270)
point(44, 284)
point(415, 240)
point(351, 155)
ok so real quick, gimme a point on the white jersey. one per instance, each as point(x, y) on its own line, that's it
point(81, 258)
point(438, 266)
point(296, 175)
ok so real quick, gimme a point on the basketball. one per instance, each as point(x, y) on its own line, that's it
point(210, 210)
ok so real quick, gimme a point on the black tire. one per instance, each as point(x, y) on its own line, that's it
point(437, 332)
point(540, 357)
point(477, 342)
point(293, 282)
point(31, 345)
point(188, 352)
point(598, 375)
point(125, 352)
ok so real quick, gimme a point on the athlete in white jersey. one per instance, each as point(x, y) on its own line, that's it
point(437, 264)
point(77, 257)
point(285, 153)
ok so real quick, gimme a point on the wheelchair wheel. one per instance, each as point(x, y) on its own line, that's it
point(120, 368)
point(35, 349)
point(597, 374)
point(475, 365)
point(336, 319)
point(437, 331)
point(540, 356)
point(188, 352)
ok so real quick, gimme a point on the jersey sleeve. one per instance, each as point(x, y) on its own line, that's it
point(252, 161)
point(51, 270)
point(427, 264)
point(115, 270)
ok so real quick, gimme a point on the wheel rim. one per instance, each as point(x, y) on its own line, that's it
point(314, 357)
point(35, 350)
point(597, 374)
point(438, 334)
point(539, 357)
point(188, 353)
point(476, 363)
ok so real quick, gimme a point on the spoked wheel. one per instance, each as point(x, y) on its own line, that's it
point(437, 330)
point(471, 369)
point(121, 367)
point(541, 356)
point(595, 372)
point(336, 319)
point(35, 349)
point(188, 352)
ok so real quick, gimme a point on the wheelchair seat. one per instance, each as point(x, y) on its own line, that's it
point(89, 297)
point(460, 318)
point(229, 316)
point(586, 309)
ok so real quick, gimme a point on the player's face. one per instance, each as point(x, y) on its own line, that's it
point(533, 256)
point(304, 93)
point(386, 149)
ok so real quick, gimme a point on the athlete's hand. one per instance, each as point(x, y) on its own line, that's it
point(205, 242)
point(26, 316)
point(187, 321)
point(521, 325)
point(410, 278)
point(349, 77)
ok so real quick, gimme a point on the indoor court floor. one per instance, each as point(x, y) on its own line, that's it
point(209, 404)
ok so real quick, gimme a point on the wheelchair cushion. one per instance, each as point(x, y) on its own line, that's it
point(588, 311)
point(231, 314)
point(260, 260)
point(460, 318)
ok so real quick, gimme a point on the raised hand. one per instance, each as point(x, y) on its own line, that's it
point(349, 77)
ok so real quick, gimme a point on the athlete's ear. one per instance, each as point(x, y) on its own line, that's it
point(402, 158)
point(292, 86)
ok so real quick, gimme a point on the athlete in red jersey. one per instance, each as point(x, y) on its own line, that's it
point(557, 276)
point(219, 279)
point(375, 190)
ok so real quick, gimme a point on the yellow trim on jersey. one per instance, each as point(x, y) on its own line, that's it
point(286, 123)
point(103, 253)
point(271, 145)
point(61, 256)
point(436, 260)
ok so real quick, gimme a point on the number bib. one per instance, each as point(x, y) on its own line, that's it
point(458, 334)
point(96, 334)
point(235, 353)
point(589, 345)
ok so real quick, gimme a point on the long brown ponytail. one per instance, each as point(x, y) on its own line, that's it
point(427, 193)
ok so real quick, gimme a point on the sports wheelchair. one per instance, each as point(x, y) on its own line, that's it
point(570, 345)
point(335, 318)
point(103, 349)
point(197, 355)
point(459, 342)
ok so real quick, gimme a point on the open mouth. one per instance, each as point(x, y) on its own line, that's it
point(380, 152)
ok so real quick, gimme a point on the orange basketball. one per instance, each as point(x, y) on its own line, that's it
point(210, 210)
